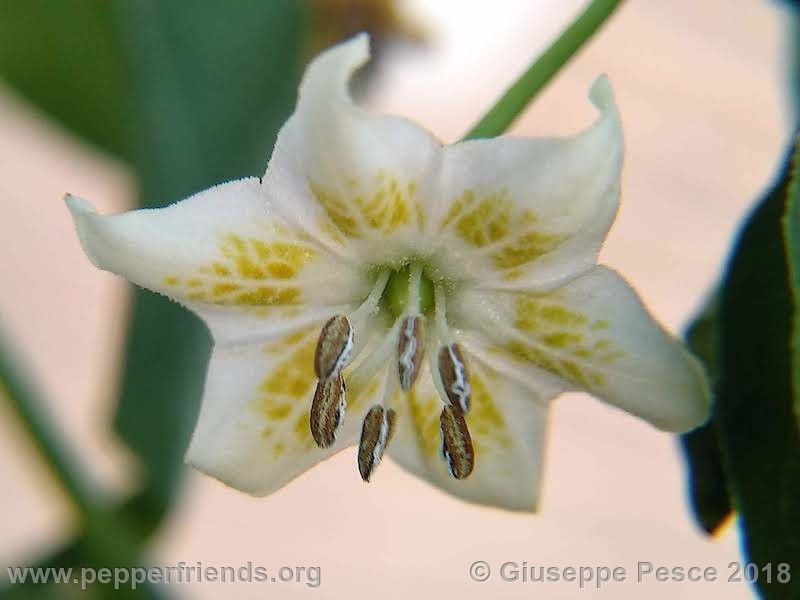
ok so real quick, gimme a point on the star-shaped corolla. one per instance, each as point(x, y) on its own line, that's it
point(379, 289)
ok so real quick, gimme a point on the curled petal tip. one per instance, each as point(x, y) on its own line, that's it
point(361, 39)
point(336, 64)
point(601, 94)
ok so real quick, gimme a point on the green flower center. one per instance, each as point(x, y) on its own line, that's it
point(395, 294)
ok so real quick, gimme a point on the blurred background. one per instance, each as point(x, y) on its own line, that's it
point(701, 87)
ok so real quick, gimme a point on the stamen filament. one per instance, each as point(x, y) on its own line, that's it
point(334, 349)
point(414, 278)
point(366, 370)
point(360, 316)
point(388, 391)
point(440, 316)
point(370, 305)
point(433, 367)
point(450, 373)
point(441, 334)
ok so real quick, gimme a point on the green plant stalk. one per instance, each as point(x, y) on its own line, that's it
point(26, 403)
point(539, 74)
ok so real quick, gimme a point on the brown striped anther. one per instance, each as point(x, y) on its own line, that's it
point(375, 435)
point(457, 447)
point(327, 411)
point(410, 350)
point(333, 347)
point(455, 377)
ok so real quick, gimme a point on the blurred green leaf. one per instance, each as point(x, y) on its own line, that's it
point(708, 487)
point(84, 551)
point(791, 225)
point(66, 58)
point(754, 414)
point(77, 555)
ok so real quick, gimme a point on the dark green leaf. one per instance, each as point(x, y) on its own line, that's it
point(791, 225)
point(708, 488)
point(65, 57)
point(754, 411)
point(710, 500)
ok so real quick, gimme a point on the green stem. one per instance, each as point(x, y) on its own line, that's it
point(110, 539)
point(531, 82)
point(27, 405)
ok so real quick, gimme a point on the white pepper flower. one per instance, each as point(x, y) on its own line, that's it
point(377, 288)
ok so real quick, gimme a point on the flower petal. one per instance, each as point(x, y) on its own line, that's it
point(542, 386)
point(359, 178)
point(225, 254)
point(507, 431)
point(594, 334)
point(531, 213)
point(253, 431)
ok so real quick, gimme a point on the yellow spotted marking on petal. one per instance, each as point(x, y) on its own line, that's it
point(277, 449)
point(220, 289)
point(357, 394)
point(333, 231)
point(286, 342)
point(291, 378)
point(525, 249)
point(532, 314)
point(337, 210)
point(561, 340)
point(384, 208)
point(278, 412)
point(485, 422)
point(249, 272)
point(284, 395)
point(301, 424)
point(483, 221)
point(424, 409)
point(492, 221)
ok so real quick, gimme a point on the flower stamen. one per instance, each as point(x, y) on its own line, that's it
point(452, 374)
point(411, 338)
point(410, 350)
point(457, 449)
point(369, 307)
point(455, 377)
point(376, 432)
point(327, 411)
point(335, 348)
point(451, 379)
point(366, 369)
point(337, 343)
